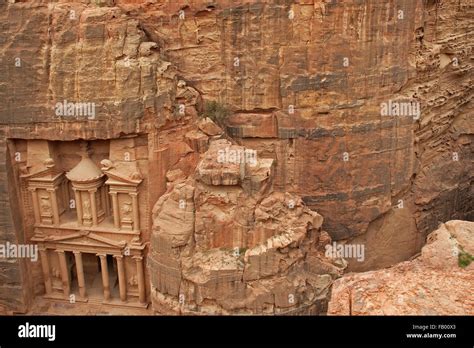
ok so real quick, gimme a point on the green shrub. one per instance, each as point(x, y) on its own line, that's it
point(216, 112)
point(464, 258)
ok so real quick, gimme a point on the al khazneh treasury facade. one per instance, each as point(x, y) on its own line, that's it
point(87, 219)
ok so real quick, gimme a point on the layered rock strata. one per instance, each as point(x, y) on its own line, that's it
point(307, 81)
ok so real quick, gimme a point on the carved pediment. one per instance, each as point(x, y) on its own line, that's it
point(49, 174)
point(122, 172)
point(115, 177)
point(86, 239)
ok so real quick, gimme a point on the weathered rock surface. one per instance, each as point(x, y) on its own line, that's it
point(304, 81)
point(223, 242)
point(432, 284)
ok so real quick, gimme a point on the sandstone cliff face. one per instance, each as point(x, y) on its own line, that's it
point(432, 284)
point(304, 81)
point(75, 52)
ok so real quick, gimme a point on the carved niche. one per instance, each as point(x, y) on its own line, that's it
point(48, 193)
point(123, 181)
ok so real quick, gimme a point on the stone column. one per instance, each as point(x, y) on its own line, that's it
point(141, 279)
point(105, 201)
point(36, 210)
point(46, 274)
point(105, 275)
point(54, 206)
point(64, 272)
point(121, 277)
point(115, 207)
point(77, 194)
point(136, 217)
point(93, 207)
point(80, 274)
point(65, 194)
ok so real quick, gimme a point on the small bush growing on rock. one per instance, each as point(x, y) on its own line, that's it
point(216, 112)
point(464, 258)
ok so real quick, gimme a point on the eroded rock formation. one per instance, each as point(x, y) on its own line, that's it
point(223, 242)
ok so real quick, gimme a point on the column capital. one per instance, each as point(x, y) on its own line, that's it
point(113, 193)
point(59, 251)
point(52, 189)
point(137, 257)
point(133, 194)
point(101, 254)
point(76, 252)
point(94, 190)
point(120, 257)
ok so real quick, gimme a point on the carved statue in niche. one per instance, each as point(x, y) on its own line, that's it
point(55, 272)
point(56, 278)
point(126, 210)
point(45, 204)
point(132, 281)
point(87, 209)
point(127, 219)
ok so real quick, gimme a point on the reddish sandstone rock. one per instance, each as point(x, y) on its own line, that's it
point(234, 246)
point(294, 68)
point(174, 175)
point(208, 127)
point(432, 284)
point(197, 140)
point(224, 164)
point(145, 69)
point(252, 125)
